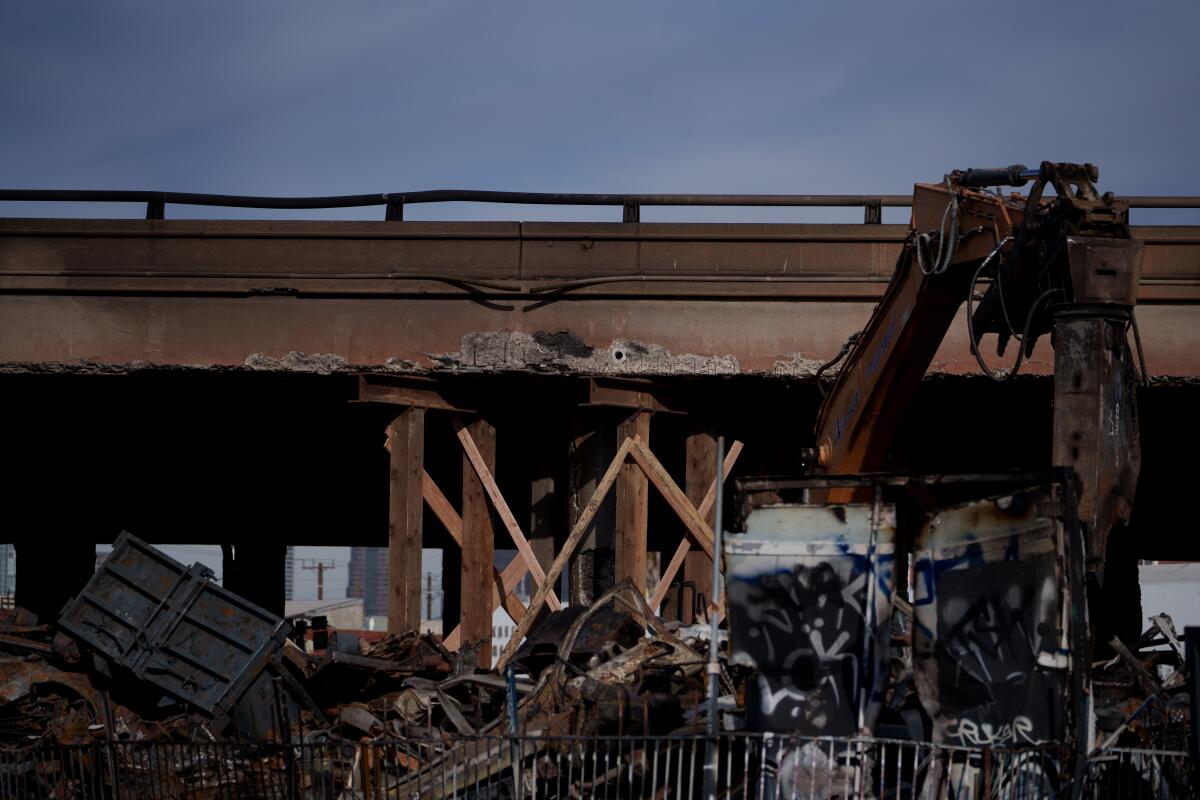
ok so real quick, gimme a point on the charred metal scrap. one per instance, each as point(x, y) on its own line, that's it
point(151, 653)
point(172, 686)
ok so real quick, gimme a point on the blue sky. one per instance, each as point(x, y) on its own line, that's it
point(328, 98)
point(304, 98)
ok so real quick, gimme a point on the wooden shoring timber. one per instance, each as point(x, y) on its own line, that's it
point(406, 447)
point(568, 549)
point(636, 449)
point(502, 594)
point(633, 497)
point(501, 506)
point(676, 499)
point(478, 544)
point(700, 468)
point(441, 507)
point(684, 546)
point(407, 391)
point(504, 582)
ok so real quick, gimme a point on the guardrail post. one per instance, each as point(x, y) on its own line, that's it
point(633, 212)
point(395, 211)
point(873, 211)
point(156, 208)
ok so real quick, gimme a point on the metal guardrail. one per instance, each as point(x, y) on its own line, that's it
point(1157, 774)
point(749, 767)
point(394, 202)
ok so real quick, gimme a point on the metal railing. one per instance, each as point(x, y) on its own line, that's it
point(394, 202)
point(749, 767)
point(1124, 772)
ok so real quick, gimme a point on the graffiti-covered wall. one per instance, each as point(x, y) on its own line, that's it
point(809, 598)
point(990, 646)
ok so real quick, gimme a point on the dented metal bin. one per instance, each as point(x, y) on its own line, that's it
point(173, 627)
point(809, 597)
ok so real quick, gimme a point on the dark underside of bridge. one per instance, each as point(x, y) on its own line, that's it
point(264, 460)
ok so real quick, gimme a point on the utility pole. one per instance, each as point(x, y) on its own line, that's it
point(428, 595)
point(320, 567)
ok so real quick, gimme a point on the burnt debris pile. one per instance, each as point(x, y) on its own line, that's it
point(158, 680)
point(153, 653)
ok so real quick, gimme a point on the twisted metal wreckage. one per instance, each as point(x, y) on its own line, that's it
point(158, 683)
point(888, 635)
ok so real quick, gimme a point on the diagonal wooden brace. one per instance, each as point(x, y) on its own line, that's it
point(501, 506)
point(681, 552)
point(550, 584)
point(676, 499)
point(504, 582)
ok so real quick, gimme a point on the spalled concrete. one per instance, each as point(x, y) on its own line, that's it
point(564, 352)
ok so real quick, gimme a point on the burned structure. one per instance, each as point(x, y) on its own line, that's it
point(557, 389)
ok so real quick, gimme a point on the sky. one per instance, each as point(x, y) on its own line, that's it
point(304, 587)
point(315, 98)
point(308, 98)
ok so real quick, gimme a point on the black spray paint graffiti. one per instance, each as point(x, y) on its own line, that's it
point(997, 631)
point(806, 630)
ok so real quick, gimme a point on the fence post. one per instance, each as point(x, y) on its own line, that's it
point(110, 751)
point(712, 752)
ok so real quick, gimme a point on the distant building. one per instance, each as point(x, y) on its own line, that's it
point(368, 579)
point(289, 574)
point(8, 570)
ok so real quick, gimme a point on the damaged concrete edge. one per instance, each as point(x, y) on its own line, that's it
point(564, 352)
point(508, 352)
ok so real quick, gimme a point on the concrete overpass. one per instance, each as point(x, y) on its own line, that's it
point(632, 299)
point(233, 382)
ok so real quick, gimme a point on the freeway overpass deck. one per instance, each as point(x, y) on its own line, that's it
point(643, 299)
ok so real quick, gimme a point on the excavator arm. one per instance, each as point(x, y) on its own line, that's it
point(1063, 263)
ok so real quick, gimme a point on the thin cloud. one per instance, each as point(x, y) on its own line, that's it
point(313, 98)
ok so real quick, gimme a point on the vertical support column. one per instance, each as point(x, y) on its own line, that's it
point(406, 445)
point(478, 546)
point(592, 448)
point(547, 465)
point(633, 495)
point(700, 471)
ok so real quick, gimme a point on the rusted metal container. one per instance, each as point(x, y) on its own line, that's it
point(173, 627)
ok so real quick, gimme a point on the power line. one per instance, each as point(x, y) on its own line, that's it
point(320, 567)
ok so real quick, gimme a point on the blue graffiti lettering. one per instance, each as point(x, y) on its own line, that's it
point(843, 421)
